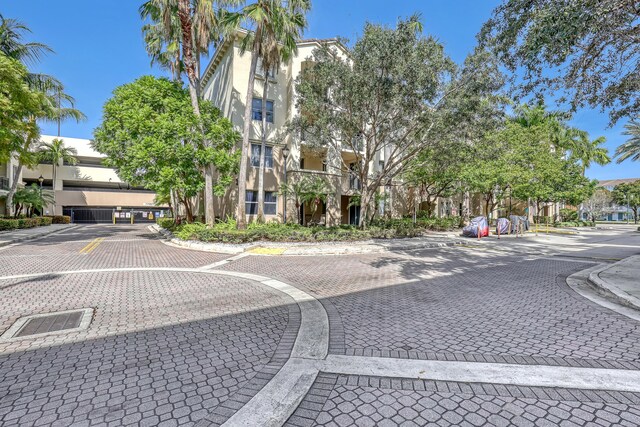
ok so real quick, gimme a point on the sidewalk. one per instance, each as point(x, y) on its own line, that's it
point(620, 281)
point(14, 236)
point(316, 248)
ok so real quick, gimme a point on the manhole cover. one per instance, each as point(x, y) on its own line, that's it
point(49, 323)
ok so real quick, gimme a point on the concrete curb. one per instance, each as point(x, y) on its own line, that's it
point(35, 236)
point(609, 289)
point(302, 249)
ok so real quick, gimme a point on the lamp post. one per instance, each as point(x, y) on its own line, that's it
point(285, 154)
point(41, 180)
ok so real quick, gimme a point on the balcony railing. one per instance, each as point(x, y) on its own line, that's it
point(4, 183)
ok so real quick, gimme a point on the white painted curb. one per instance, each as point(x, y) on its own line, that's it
point(610, 289)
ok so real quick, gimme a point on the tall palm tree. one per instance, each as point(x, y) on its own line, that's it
point(54, 104)
point(631, 148)
point(56, 152)
point(275, 27)
point(173, 23)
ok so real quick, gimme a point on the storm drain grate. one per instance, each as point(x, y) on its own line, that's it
point(52, 323)
point(49, 323)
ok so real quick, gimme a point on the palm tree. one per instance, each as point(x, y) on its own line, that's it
point(587, 151)
point(162, 36)
point(631, 148)
point(54, 104)
point(173, 22)
point(56, 152)
point(276, 26)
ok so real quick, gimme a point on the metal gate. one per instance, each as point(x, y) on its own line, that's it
point(83, 215)
point(89, 215)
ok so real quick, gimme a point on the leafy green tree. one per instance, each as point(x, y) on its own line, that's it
point(628, 194)
point(396, 93)
point(588, 49)
point(631, 148)
point(55, 152)
point(173, 22)
point(542, 170)
point(52, 103)
point(17, 101)
point(275, 27)
point(435, 171)
point(152, 137)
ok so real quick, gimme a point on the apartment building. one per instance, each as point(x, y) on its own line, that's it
point(224, 82)
point(614, 212)
point(88, 191)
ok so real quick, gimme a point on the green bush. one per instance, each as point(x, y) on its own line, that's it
point(189, 231)
point(12, 224)
point(45, 220)
point(166, 223)
point(60, 219)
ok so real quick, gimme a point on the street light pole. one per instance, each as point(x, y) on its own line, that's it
point(285, 154)
point(627, 207)
point(41, 180)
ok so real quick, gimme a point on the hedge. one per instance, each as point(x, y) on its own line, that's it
point(60, 219)
point(225, 232)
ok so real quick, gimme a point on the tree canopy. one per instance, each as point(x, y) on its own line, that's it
point(152, 137)
point(587, 50)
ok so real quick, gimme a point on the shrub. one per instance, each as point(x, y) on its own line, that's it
point(166, 223)
point(45, 220)
point(189, 231)
point(60, 219)
point(11, 224)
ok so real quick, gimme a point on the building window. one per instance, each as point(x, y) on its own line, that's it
point(251, 202)
point(302, 163)
point(256, 110)
point(270, 202)
point(255, 156)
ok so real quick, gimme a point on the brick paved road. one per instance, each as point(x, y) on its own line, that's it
point(459, 307)
point(163, 348)
point(373, 401)
point(169, 347)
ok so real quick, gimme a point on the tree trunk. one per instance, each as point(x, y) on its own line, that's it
point(191, 67)
point(465, 207)
point(364, 206)
point(54, 175)
point(241, 216)
point(12, 190)
point(263, 148)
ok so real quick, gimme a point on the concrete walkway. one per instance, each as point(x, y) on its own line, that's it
point(15, 236)
point(620, 281)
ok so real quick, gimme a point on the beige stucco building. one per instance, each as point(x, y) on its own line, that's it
point(88, 191)
point(224, 82)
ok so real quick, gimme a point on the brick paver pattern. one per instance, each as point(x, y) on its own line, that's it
point(490, 309)
point(384, 402)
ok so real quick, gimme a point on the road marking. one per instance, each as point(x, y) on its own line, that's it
point(493, 373)
point(92, 245)
point(267, 251)
point(224, 261)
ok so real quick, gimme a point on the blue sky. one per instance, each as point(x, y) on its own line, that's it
point(99, 46)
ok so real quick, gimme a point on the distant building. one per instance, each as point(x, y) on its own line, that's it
point(88, 191)
point(614, 212)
